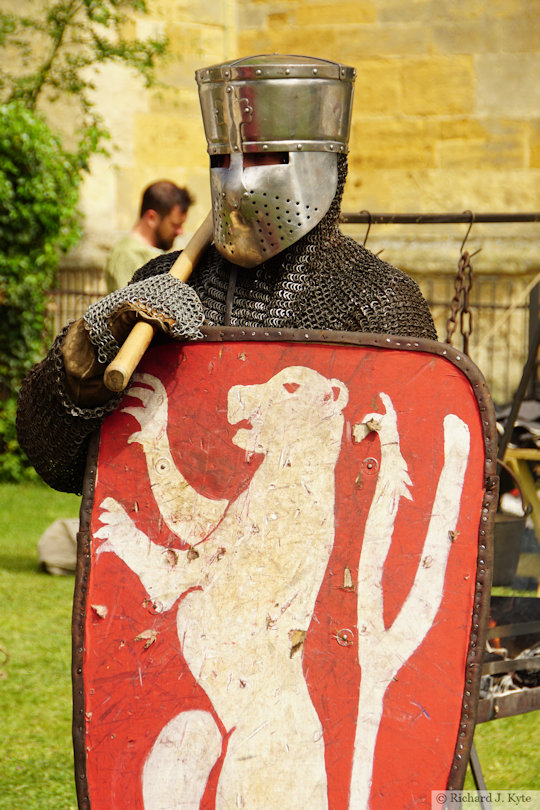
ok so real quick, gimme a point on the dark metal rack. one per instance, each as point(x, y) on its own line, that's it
point(468, 217)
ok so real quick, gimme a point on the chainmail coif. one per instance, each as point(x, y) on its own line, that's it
point(324, 281)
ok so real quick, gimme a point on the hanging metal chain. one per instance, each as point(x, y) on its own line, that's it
point(460, 304)
point(466, 316)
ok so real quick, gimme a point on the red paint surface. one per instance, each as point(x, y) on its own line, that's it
point(132, 692)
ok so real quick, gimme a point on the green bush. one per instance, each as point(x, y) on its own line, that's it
point(49, 55)
point(39, 183)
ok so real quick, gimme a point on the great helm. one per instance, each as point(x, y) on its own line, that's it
point(297, 110)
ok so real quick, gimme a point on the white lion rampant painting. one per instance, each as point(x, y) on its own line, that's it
point(245, 587)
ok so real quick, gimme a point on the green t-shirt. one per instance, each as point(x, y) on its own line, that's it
point(127, 256)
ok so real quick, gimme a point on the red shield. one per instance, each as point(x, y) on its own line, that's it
point(283, 570)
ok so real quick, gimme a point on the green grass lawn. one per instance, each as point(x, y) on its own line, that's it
point(36, 761)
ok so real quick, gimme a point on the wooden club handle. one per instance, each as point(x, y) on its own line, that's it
point(118, 372)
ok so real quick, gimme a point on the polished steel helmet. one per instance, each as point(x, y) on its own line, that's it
point(297, 111)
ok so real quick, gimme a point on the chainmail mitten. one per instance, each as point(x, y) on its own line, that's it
point(162, 300)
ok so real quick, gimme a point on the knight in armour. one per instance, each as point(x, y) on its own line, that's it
point(277, 129)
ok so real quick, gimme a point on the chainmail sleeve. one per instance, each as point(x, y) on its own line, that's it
point(53, 432)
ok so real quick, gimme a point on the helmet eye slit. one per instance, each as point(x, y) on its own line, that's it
point(220, 161)
point(254, 160)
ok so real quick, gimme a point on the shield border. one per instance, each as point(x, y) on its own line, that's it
point(485, 539)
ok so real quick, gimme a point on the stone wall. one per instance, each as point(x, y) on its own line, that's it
point(446, 114)
point(447, 99)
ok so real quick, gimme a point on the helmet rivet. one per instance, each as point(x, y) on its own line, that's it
point(287, 72)
point(235, 147)
point(332, 146)
point(258, 72)
point(228, 89)
point(265, 146)
point(245, 195)
point(315, 71)
point(299, 147)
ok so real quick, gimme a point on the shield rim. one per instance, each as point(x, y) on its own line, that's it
point(477, 639)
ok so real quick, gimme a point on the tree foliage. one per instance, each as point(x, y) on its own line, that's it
point(59, 41)
point(38, 197)
point(52, 51)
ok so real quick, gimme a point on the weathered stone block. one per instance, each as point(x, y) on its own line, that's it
point(182, 101)
point(467, 36)
point(519, 34)
point(461, 127)
point(507, 84)
point(438, 85)
point(317, 13)
point(499, 145)
point(96, 199)
point(390, 144)
point(378, 87)
point(399, 189)
point(193, 46)
point(201, 11)
point(477, 9)
point(323, 42)
point(120, 119)
point(383, 40)
point(389, 11)
point(533, 133)
point(169, 140)
point(342, 42)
